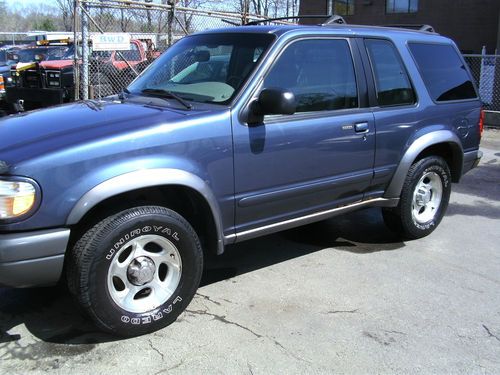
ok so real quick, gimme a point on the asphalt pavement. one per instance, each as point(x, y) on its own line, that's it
point(342, 296)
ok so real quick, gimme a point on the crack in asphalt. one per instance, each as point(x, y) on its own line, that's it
point(342, 311)
point(156, 350)
point(289, 353)
point(222, 318)
point(250, 368)
point(490, 333)
point(379, 339)
point(208, 299)
point(166, 370)
point(396, 332)
point(176, 365)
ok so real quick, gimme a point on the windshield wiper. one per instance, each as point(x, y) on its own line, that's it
point(121, 94)
point(167, 94)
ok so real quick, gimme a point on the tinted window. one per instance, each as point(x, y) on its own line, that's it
point(443, 72)
point(319, 72)
point(391, 81)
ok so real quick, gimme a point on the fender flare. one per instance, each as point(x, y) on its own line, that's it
point(418, 145)
point(142, 179)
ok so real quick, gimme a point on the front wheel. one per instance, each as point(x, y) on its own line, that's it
point(136, 271)
point(424, 199)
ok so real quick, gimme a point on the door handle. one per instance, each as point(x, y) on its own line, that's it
point(361, 127)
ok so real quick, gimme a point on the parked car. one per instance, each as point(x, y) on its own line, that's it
point(5, 64)
point(18, 58)
point(51, 82)
point(126, 196)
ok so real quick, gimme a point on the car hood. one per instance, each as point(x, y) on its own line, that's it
point(31, 134)
point(56, 64)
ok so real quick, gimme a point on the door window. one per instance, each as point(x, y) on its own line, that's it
point(392, 83)
point(320, 73)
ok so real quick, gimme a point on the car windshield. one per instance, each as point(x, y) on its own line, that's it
point(209, 68)
point(68, 55)
point(45, 53)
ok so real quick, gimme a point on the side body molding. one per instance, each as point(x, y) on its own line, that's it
point(418, 145)
point(147, 178)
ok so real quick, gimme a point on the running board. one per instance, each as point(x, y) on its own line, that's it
point(311, 218)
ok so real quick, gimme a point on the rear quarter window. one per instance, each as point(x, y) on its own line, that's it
point(443, 72)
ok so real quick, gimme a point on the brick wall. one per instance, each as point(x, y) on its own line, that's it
point(470, 23)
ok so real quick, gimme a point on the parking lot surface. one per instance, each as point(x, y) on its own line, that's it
point(341, 296)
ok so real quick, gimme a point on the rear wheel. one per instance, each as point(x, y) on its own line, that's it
point(424, 199)
point(135, 272)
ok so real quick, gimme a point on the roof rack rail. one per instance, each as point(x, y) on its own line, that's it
point(418, 27)
point(328, 16)
point(334, 19)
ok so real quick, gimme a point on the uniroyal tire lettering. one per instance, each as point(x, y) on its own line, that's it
point(138, 232)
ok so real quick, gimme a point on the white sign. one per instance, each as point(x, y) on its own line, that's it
point(111, 42)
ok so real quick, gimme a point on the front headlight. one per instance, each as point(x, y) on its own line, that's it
point(17, 198)
point(54, 79)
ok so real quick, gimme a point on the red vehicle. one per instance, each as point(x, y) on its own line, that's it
point(51, 82)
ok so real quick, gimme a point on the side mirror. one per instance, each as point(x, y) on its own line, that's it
point(272, 101)
point(39, 58)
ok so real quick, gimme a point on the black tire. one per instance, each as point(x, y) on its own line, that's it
point(90, 261)
point(402, 219)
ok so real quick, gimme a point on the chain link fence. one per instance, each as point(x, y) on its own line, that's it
point(486, 72)
point(152, 28)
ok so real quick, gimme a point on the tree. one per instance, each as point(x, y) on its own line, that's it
point(45, 24)
point(66, 8)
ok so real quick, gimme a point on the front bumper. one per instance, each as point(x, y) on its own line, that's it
point(471, 160)
point(32, 258)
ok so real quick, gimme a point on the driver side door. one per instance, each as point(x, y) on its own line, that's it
point(319, 158)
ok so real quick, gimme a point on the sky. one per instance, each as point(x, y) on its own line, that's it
point(28, 2)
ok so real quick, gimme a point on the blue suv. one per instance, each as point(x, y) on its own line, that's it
point(230, 135)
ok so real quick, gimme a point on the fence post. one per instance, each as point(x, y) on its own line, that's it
point(171, 20)
point(76, 43)
point(85, 52)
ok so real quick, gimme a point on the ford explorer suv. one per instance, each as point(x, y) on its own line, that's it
point(231, 134)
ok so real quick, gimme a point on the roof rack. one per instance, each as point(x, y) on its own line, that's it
point(418, 27)
point(328, 16)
